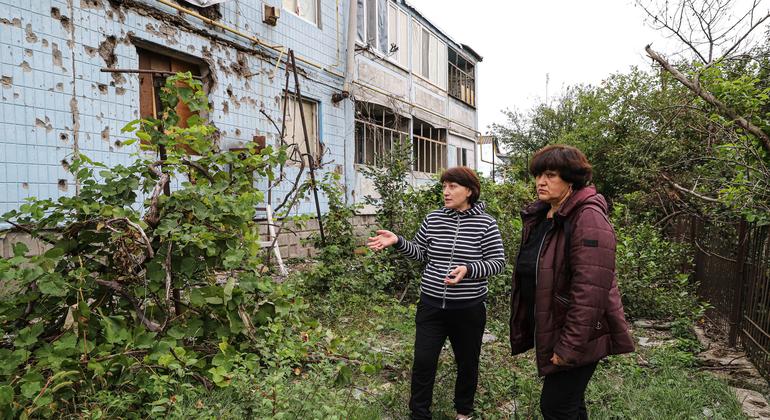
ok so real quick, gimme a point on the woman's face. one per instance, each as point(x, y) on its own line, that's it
point(456, 196)
point(551, 188)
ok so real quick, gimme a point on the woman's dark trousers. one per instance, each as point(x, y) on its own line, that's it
point(563, 396)
point(464, 328)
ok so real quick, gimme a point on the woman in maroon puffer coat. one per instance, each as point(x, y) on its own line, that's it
point(565, 300)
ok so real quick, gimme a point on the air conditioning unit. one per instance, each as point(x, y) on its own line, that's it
point(272, 13)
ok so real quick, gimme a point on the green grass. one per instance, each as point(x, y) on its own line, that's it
point(662, 383)
point(622, 389)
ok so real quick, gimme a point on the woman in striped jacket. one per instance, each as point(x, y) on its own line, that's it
point(461, 247)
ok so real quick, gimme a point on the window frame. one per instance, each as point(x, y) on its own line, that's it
point(148, 56)
point(465, 157)
point(402, 44)
point(317, 3)
point(460, 73)
point(435, 45)
point(435, 145)
point(317, 145)
point(375, 46)
point(364, 119)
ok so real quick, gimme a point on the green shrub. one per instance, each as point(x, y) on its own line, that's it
point(136, 299)
point(650, 272)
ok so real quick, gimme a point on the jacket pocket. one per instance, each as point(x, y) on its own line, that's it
point(559, 309)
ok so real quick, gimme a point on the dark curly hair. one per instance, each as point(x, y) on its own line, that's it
point(571, 164)
point(465, 177)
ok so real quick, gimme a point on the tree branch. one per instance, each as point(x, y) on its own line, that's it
point(167, 268)
point(749, 31)
point(145, 239)
point(270, 119)
point(711, 99)
point(691, 192)
point(118, 288)
point(676, 31)
point(152, 218)
point(199, 168)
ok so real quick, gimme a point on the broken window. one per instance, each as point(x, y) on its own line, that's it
point(462, 81)
point(294, 135)
point(150, 84)
point(306, 9)
point(373, 24)
point(378, 131)
point(429, 147)
point(429, 55)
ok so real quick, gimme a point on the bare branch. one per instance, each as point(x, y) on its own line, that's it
point(269, 118)
point(142, 233)
point(705, 26)
point(673, 27)
point(30, 232)
point(154, 168)
point(294, 187)
point(667, 218)
point(691, 192)
point(742, 38)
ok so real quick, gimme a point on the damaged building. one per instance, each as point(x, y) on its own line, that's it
point(74, 72)
point(412, 80)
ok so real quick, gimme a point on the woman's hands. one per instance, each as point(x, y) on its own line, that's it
point(384, 239)
point(558, 361)
point(456, 275)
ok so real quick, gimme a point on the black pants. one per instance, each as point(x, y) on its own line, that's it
point(563, 396)
point(464, 327)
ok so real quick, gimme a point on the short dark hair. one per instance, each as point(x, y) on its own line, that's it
point(464, 176)
point(571, 164)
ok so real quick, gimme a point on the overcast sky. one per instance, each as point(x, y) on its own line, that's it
point(523, 40)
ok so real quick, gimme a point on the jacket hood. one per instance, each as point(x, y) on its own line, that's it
point(580, 198)
point(477, 208)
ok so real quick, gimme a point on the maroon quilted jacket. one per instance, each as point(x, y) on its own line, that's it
point(578, 312)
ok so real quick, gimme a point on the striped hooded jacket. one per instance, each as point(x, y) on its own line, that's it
point(448, 238)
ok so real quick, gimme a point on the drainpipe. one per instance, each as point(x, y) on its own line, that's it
point(350, 65)
point(351, 48)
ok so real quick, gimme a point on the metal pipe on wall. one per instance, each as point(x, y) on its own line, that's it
point(350, 51)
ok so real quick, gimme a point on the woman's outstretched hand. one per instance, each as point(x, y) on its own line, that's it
point(384, 239)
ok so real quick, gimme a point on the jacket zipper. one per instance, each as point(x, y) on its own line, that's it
point(451, 259)
point(537, 269)
point(524, 233)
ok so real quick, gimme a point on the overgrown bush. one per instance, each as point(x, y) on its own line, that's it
point(397, 211)
point(342, 267)
point(135, 300)
point(649, 271)
point(340, 240)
